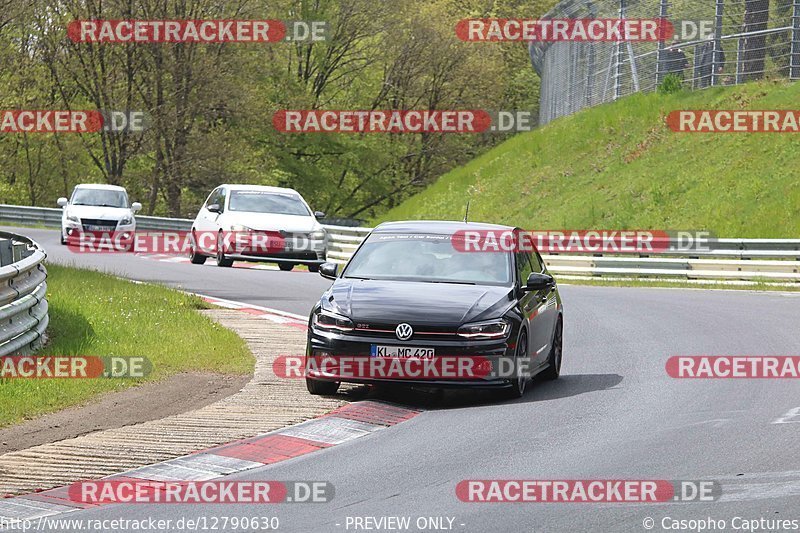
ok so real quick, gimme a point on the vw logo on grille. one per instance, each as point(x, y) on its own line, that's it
point(404, 332)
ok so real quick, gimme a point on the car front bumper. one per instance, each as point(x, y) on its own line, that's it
point(327, 354)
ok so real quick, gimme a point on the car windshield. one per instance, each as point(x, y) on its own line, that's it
point(267, 202)
point(427, 258)
point(100, 197)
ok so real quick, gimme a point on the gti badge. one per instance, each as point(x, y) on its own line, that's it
point(403, 332)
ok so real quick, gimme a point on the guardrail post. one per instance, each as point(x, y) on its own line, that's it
point(717, 59)
point(794, 70)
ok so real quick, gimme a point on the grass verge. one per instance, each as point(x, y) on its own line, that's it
point(92, 313)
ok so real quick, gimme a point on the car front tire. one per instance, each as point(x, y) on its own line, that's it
point(313, 268)
point(517, 389)
point(556, 352)
point(222, 261)
point(286, 267)
point(321, 388)
point(194, 257)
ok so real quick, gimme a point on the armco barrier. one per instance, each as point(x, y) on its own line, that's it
point(23, 287)
point(11, 215)
point(769, 260)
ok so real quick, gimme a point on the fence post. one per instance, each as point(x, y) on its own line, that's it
point(794, 71)
point(663, 13)
point(590, 59)
point(717, 60)
point(618, 58)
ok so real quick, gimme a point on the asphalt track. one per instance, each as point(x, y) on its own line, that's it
point(615, 414)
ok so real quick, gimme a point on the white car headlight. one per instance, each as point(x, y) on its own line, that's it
point(126, 221)
point(491, 329)
point(317, 235)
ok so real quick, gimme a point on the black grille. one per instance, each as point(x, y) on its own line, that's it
point(110, 224)
point(420, 332)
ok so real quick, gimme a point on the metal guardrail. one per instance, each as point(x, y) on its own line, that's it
point(770, 260)
point(51, 218)
point(23, 287)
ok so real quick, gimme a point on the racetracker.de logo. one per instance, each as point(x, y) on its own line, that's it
point(73, 367)
point(581, 241)
point(722, 121)
point(184, 242)
point(733, 367)
point(553, 30)
point(55, 121)
point(136, 491)
point(585, 491)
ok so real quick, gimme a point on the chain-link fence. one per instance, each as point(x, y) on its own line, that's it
point(752, 39)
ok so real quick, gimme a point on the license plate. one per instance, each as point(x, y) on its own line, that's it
point(404, 352)
point(99, 228)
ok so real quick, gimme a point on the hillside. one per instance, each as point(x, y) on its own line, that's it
point(618, 166)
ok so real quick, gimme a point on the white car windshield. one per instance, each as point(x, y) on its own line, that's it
point(267, 202)
point(427, 258)
point(100, 198)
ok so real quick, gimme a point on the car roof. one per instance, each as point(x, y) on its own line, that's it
point(263, 188)
point(436, 226)
point(100, 186)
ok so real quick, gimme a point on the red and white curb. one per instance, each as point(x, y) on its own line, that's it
point(273, 315)
point(347, 423)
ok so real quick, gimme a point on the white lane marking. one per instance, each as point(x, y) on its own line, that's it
point(239, 305)
point(792, 417)
point(715, 422)
point(330, 430)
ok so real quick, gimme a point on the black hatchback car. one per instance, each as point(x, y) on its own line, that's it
point(410, 293)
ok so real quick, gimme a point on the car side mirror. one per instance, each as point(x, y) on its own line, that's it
point(537, 281)
point(329, 270)
point(62, 202)
point(136, 206)
point(319, 214)
point(214, 208)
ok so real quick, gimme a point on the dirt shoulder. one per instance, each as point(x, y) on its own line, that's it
point(150, 401)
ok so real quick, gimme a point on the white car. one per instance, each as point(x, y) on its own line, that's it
point(97, 207)
point(257, 210)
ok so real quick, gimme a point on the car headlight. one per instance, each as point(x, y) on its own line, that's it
point(126, 221)
point(317, 235)
point(239, 227)
point(332, 322)
point(491, 329)
point(73, 218)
